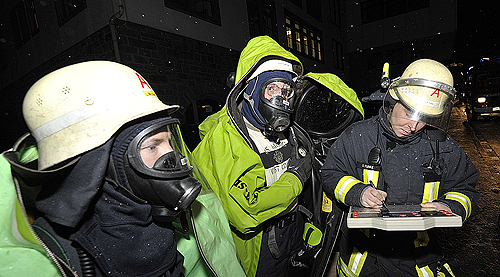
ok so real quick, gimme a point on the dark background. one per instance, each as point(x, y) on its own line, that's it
point(478, 31)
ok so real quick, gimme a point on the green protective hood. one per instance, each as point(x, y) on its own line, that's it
point(261, 49)
point(258, 50)
point(335, 84)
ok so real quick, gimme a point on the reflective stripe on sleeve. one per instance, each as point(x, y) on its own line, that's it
point(343, 187)
point(462, 199)
point(424, 271)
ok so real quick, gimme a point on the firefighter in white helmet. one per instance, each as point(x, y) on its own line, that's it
point(402, 156)
point(114, 178)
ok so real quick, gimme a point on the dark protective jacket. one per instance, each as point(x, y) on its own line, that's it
point(82, 221)
point(422, 167)
point(120, 235)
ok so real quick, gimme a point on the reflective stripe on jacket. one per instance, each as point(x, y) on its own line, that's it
point(410, 172)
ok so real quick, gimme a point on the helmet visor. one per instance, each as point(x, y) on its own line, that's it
point(426, 101)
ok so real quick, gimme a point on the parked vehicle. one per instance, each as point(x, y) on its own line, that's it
point(482, 89)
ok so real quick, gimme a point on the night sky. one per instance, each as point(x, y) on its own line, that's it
point(478, 31)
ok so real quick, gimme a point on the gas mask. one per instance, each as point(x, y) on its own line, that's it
point(158, 169)
point(269, 102)
point(275, 105)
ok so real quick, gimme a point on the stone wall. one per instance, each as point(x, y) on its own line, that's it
point(180, 70)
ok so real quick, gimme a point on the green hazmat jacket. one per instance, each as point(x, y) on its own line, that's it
point(21, 252)
point(208, 251)
point(337, 86)
point(228, 160)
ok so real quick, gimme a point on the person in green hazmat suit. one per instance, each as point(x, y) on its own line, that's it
point(257, 161)
point(108, 180)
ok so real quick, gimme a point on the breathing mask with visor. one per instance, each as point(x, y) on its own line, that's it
point(269, 101)
point(157, 166)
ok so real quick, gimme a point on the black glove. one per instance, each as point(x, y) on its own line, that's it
point(300, 163)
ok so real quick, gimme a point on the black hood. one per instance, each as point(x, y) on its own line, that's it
point(68, 189)
point(121, 233)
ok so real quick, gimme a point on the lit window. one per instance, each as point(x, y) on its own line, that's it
point(298, 45)
point(302, 38)
point(297, 41)
point(318, 39)
point(306, 46)
point(289, 38)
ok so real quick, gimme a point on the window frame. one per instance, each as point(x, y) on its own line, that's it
point(187, 8)
point(24, 22)
point(373, 10)
point(68, 9)
point(309, 45)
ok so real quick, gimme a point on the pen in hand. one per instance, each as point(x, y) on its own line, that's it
point(383, 201)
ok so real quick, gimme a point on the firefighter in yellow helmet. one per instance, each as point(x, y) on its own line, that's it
point(113, 177)
point(402, 156)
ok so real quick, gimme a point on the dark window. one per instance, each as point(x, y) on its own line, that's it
point(302, 38)
point(67, 9)
point(24, 22)
point(262, 18)
point(204, 9)
point(297, 3)
point(416, 5)
point(372, 10)
point(395, 56)
point(375, 61)
point(393, 8)
point(488, 80)
point(194, 116)
point(3, 60)
point(338, 55)
point(335, 13)
point(314, 9)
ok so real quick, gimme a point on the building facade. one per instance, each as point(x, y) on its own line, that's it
point(187, 48)
point(397, 32)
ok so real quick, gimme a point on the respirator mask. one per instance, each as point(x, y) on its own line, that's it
point(158, 168)
point(276, 104)
point(269, 102)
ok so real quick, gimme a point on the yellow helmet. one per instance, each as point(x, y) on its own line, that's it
point(426, 89)
point(79, 107)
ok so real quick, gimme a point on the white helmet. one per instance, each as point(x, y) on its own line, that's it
point(79, 107)
point(426, 89)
